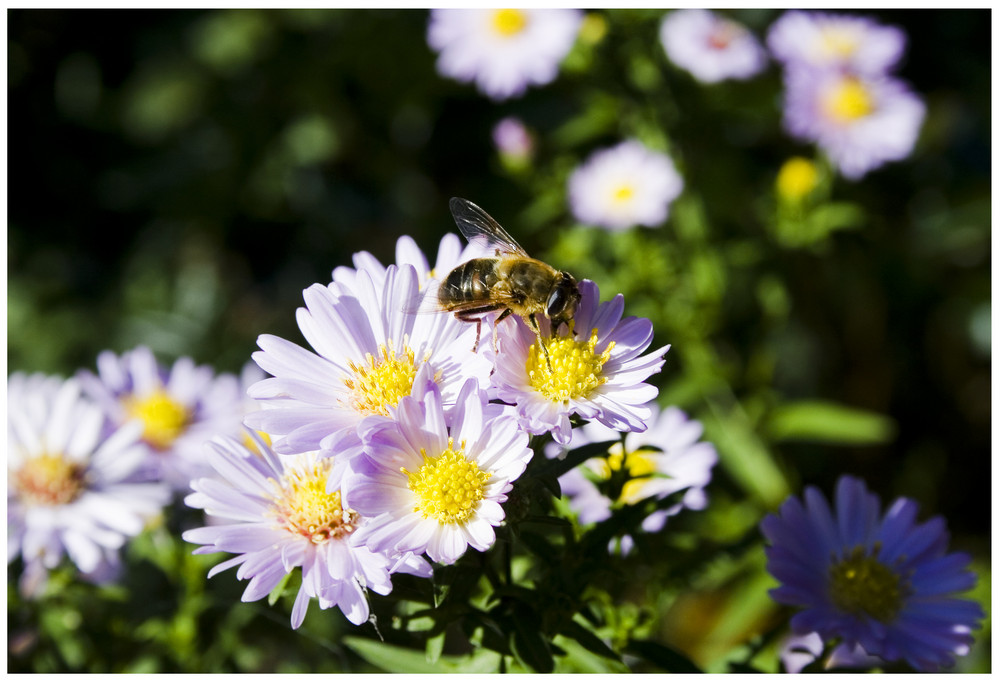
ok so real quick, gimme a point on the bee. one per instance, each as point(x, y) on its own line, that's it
point(509, 280)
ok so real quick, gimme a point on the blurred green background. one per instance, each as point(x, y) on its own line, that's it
point(177, 178)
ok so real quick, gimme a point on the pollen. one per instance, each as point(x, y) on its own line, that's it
point(380, 382)
point(49, 480)
point(302, 505)
point(848, 101)
point(163, 418)
point(509, 22)
point(449, 486)
point(862, 585)
point(576, 367)
point(797, 178)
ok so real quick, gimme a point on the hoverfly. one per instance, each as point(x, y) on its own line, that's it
point(509, 280)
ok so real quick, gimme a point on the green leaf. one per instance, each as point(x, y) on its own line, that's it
point(817, 420)
point(663, 657)
point(394, 659)
point(434, 647)
point(529, 646)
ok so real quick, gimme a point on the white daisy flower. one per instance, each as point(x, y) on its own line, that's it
point(433, 482)
point(276, 514)
point(370, 350)
point(72, 487)
point(596, 371)
point(180, 408)
point(711, 47)
point(624, 186)
point(502, 50)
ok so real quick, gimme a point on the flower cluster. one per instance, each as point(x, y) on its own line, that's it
point(839, 91)
point(400, 434)
point(883, 584)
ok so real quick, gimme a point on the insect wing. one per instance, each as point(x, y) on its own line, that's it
point(481, 230)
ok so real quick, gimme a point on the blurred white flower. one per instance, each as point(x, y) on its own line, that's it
point(625, 185)
point(71, 482)
point(502, 50)
point(710, 46)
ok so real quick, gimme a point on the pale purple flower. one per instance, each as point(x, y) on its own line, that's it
point(863, 578)
point(502, 50)
point(860, 122)
point(180, 408)
point(281, 516)
point(370, 350)
point(625, 185)
point(665, 458)
point(596, 370)
point(817, 40)
point(72, 487)
point(711, 47)
point(433, 481)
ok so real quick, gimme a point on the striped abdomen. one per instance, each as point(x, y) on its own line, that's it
point(469, 282)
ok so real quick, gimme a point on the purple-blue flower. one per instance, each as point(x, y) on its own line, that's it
point(880, 581)
point(276, 514)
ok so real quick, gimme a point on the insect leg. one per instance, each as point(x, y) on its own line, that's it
point(538, 335)
point(475, 314)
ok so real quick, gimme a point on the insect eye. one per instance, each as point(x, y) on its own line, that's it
point(557, 301)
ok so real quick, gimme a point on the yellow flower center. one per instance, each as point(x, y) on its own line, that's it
point(861, 585)
point(639, 465)
point(380, 382)
point(797, 178)
point(623, 193)
point(49, 480)
point(838, 43)
point(449, 486)
point(576, 367)
point(509, 22)
point(302, 505)
point(163, 418)
point(848, 101)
